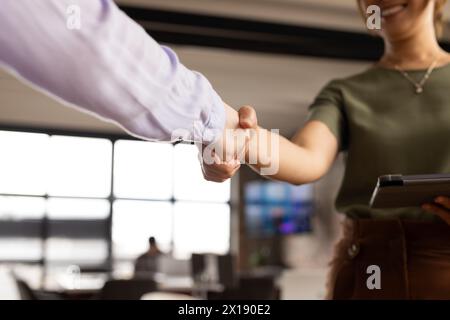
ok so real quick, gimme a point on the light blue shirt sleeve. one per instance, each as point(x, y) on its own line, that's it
point(109, 67)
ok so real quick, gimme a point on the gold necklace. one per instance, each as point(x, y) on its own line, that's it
point(418, 85)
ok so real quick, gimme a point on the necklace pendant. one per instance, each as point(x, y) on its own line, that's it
point(419, 90)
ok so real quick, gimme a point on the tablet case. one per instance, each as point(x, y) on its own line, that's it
point(396, 190)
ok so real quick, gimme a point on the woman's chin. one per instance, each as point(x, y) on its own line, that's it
point(394, 31)
point(398, 25)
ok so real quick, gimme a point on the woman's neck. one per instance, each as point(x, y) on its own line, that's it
point(414, 52)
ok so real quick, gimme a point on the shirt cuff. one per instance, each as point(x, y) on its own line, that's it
point(213, 127)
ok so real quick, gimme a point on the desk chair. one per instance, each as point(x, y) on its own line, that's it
point(132, 289)
point(26, 293)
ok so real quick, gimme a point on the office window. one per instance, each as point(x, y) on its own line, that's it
point(76, 231)
point(79, 167)
point(201, 228)
point(20, 228)
point(20, 249)
point(84, 252)
point(21, 208)
point(155, 171)
point(77, 209)
point(189, 182)
point(135, 221)
point(143, 170)
point(57, 207)
point(48, 227)
point(23, 163)
point(201, 210)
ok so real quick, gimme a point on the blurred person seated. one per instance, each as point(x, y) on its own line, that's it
point(146, 265)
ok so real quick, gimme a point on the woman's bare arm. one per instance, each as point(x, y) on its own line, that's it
point(306, 158)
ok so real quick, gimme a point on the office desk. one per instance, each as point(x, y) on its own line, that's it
point(89, 286)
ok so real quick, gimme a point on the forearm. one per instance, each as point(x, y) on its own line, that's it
point(276, 157)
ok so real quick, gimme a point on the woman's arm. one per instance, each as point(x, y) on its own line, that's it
point(306, 158)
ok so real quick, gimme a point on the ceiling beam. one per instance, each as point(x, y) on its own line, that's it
point(256, 36)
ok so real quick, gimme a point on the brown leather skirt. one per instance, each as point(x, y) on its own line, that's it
point(391, 259)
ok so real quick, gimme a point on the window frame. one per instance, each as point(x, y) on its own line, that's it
point(110, 260)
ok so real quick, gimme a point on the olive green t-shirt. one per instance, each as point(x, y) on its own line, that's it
point(384, 127)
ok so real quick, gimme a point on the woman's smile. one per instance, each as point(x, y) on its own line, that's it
point(392, 10)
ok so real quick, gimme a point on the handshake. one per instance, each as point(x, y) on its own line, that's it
point(222, 159)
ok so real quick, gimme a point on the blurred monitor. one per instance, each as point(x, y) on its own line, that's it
point(276, 208)
point(171, 267)
point(213, 269)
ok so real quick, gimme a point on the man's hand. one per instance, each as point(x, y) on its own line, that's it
point(220, 171)
point(440, 207)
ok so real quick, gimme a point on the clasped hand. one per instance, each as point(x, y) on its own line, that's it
point(222, 159)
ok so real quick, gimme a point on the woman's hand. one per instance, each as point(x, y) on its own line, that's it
point(220, 171)
point(440, 207)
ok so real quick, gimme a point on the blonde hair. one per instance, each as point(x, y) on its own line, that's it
point(438, 15)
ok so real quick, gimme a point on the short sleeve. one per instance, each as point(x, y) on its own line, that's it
point(328, 108)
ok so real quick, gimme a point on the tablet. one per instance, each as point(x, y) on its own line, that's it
point(396, 190)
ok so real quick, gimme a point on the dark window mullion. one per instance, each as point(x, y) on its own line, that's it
point(111, 200)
